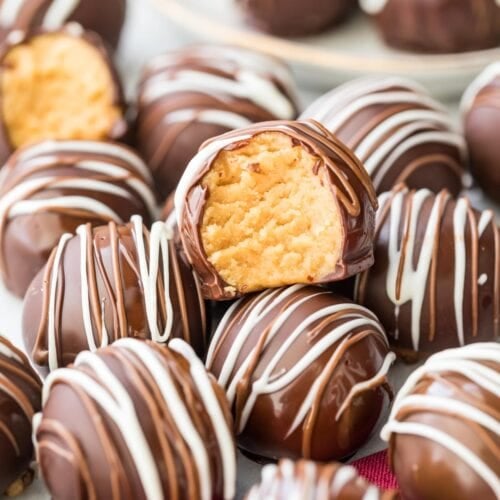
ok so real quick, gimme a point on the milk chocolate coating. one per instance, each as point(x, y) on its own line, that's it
point(351, 189)
point(107, 283)
point(435, 283)
point(296, 18)
point(196, 93)
point(481, 118)
point(136, 421)
point(437, 25)
point(398, 132)
point(20, 399)
point(314, 481)
point(443, 431)
point(52, 187)
point(119, 130)
point(304, 371)
point(105, 18)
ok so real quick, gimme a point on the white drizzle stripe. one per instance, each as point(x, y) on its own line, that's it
point(486, 77)
point(9, 12)
point(73, 202)
point(247, 85)
point(373, 7)
point(426, 121)
point(53, 285)
point(444, 137)
point(110, 394)
point(392, 97)
point(52, 148)
point(149, 267)
point(87, 319)
point(343, 476)
point(455, 407)
point(6, 351)
point(207, 394)
point(403, 124)
point(227, 59)
point(15, 203)
point(459, 225)
point(351, 91)
point(414, 278)
point(268, 382)
point(214, 116)
point(178, 410)
point(473, 461)
point(485, 219)
point(467, 362)
point(58, 13)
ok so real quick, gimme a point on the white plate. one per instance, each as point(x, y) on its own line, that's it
point(325, 60)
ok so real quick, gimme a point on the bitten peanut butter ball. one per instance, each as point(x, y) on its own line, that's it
point(58, 85)
point(110, 282)
point(305, 372)
point(104, 17)
point(52, 187)
point(307, 480)
point(435, 283)
point(136, 421)
point(444, 428)
point(274, 204)
point(20, 399)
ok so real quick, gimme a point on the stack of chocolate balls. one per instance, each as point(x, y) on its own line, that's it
point(146, 392)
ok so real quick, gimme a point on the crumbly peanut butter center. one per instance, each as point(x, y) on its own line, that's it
point(57, 86)
point(270, 220)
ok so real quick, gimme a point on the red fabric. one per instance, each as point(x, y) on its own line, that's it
point(375, 468)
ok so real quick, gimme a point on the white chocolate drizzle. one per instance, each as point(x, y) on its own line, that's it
point(373, 7)
point(421, 120)
point(153, 257)
point(56, 15)
point(489, 74)
point(410, 279)
point(306, 480)
point(467, 362)
point(233, 371)
point(111, 396)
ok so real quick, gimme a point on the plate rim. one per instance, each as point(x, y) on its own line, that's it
point(329, 59)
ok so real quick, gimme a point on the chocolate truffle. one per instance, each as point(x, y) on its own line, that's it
point(444, 428)
point(273, 204)
point(398, 132)
point(136, 421)
point(105, 18)
point(107, 283)
point(435, 283)
point(481, 116)
point(306, 480)
point(305, 372)
point(52, 187)
point(58, 85)
point(296, 18)
point(193, 94)
point(437, 25)
point(20, 399)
